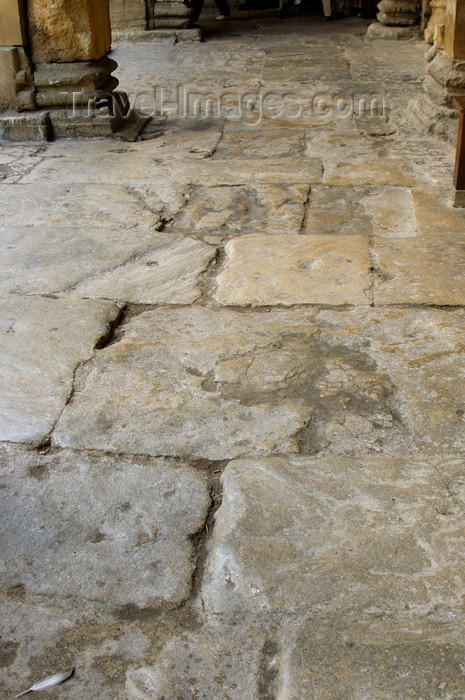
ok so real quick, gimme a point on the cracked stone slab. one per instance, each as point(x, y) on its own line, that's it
point(239, 210)
point(168, 274)
point(214, 662)
point(422, 270)
point(177, 383)
point(384, 660)
point(306, 270)
point(43, 260)
point(42, 341)
point(357, 535)
point(66, 534)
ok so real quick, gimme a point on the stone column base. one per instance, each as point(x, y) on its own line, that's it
point(458, 197)
point(399, 13)
point(56, 82)
point(381, 31)
point(16, 85)
point(435, 120)
point(171, 15)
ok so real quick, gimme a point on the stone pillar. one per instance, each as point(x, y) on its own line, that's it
point(69, 40)
point(16, 85)
point(445, 75)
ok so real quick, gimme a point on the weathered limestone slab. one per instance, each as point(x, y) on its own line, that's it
point(271, 143)
point(337, 210)
point(235, 211)
point(60, 205)
point(61, 243)
point(60, 31)
point(169, 274)
point(42, 341)
point(216, 662)
point(40, 634)
point(418, 355)
point(304, 270)
point(435, 214)
point(392, 211)
point(66, 533)
point(421, 270)
point(156, 390)
point(360, 536)
point(330, 660)
point(370, 171)
point(118, 168)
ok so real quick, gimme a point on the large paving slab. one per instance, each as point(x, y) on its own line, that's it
point(337, 210)
point(222, 383)
point(156, 390)
point(42, 341)
point(132, 170)
point(260, 271)
point(169, 274)
point(366, 535)
point(66, 534)
point(383, 660)
point(215, 662)
point(420, 270)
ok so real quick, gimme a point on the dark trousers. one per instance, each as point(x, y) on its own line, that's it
point(222, 5)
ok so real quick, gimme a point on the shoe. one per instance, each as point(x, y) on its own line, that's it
point(221, 18)
point(282, 14)
point(329, 18)
point(338, 15)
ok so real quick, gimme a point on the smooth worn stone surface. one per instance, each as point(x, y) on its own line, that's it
point(365, 535)
point(261, 144)
point(118, 168)
point(42, 341)
point(418, 355)
point(305, 270)
point(168, 274)
point(421, 270)
point(214, 663)
point(381, 660)
point(337, 210)
point(370, 171)
point(392, 211)
point(156, 392)
point(435, 213)
point(73, 537)
point(236, 211)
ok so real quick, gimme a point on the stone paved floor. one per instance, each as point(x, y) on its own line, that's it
point(232, 369)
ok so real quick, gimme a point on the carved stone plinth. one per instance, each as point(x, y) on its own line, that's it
point(399, 13)
point(16, 84)
point(57, 82)
point(171, 15)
